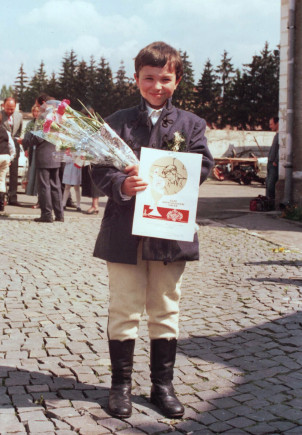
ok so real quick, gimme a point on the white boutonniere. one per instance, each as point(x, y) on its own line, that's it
point(178, 143)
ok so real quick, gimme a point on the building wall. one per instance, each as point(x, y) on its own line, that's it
point(221, 141)
point(297, 139)
point(283, 128)
point(283, 86)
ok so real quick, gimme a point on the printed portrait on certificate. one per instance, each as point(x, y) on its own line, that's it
point(167, 208)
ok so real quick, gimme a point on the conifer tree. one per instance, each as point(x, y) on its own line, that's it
point(91, 84)
point(225, 75)
point(41, 77)
point(121, 88)
point(20, 87)
point(67, 78)
point(104, 89)
point(81, 85)
point(263, 75)
point(207, 95)
point(36, 86)
point(239, 95)
point(183, 97)
point(52, 88)
point(6, 92)
point(33, 90)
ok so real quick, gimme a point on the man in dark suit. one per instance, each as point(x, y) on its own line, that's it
point(12, 121)
point(48, 181)
point(49, 185)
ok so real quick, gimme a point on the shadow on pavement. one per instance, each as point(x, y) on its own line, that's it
point(263, 369)
point(33, 389)
point(284, 262)
point(222, 207)
point(293, 281)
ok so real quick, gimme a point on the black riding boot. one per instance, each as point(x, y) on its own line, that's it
point(163, 353)
point(121, 356)
point(2, 196)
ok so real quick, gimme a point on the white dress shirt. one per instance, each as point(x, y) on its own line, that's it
point(154, 114)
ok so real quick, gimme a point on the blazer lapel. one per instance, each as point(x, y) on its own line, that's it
point(15, 123)
point(162, 128)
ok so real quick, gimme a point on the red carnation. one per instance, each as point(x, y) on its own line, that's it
point(63, 106)
point(47, 125)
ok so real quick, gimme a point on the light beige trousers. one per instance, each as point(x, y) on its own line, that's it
point(4, 166)
point(149, 285)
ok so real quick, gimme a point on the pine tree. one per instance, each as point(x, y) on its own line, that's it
point(20, 87)
point(121, 89)
point(263, 74)
point(104, 89)
point(6, 92)
point(37, 85)
point(183, 96)
point(52, 88)
point(91, 83)
point(207, 95)
point(239, 95)
point(81, 85)
point(225, 75)
point(31, 93)
point(67, 78)
point(41, 78)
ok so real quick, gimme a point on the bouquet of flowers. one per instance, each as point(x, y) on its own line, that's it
point(82, 137)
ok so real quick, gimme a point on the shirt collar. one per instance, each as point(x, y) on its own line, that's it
point(153, 114)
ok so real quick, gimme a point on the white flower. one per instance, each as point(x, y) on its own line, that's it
point(178, 143)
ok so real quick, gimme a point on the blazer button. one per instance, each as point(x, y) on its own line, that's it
point(153, 145)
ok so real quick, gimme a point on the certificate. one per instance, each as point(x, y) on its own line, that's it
point(167, 208)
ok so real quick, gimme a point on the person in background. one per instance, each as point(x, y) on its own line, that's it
point(12, 121)
point(145, 272)
point(88, 187)
point(48, 181)
point(90, 190)
point(7, 154)
point(30, 151)
point(273, 164)
point(72, 176)
point(40, 100)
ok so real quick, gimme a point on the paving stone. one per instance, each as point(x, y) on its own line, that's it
point(32, 415)
point(238, 367)
point(37, 426)
point(240, 422)
point(220, 427)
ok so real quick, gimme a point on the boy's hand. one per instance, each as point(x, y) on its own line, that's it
point(133, 183)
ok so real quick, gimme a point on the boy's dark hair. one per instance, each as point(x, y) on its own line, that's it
point(42, 98)
point(158, 54)
point(276, 119)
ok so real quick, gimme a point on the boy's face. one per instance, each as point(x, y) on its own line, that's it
point(156, 84)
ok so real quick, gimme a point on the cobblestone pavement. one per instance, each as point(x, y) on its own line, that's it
point(239, 358)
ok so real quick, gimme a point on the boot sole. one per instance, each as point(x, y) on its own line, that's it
point(113, 414)
point(174, 415)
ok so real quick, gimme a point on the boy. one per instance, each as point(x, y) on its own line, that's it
point(146, 272)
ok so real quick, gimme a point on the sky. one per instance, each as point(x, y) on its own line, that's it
point(32, 31)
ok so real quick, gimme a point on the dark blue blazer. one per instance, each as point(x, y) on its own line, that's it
point(115, 243)
point(45, 154)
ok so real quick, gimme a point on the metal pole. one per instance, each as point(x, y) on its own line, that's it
point(288, 186)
